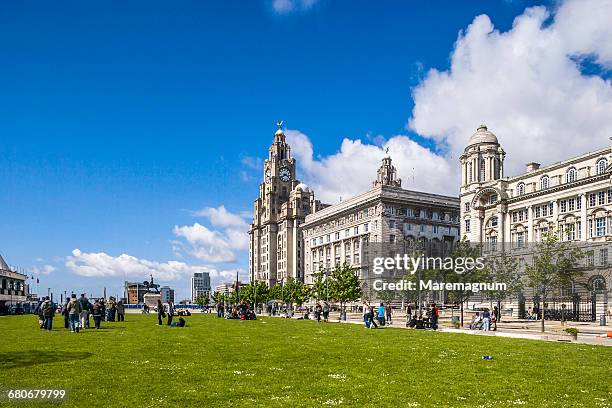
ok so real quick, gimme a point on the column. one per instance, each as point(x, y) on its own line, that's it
point(583, 217)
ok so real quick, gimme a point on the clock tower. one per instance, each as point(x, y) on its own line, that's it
point(275, 241)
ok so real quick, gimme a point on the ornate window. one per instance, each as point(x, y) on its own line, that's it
point(482, 170)
point(544, 182)
point(520, 189)
point(571, 175)
point(601, 166)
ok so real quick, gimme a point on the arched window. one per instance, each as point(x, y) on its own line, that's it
point(571, 175)
point(601, 166)
point(544, 182)
point(520, 189)
point(470, 173)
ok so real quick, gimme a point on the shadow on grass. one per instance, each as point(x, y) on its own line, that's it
point(35, 357)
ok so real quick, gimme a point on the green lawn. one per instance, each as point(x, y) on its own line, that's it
point(287, 363)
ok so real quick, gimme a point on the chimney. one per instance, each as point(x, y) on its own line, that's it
point(533, 166)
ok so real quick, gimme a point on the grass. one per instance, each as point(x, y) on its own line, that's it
point(276, 362)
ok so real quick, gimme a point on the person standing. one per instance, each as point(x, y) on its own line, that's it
point(365, 315)
point(326, 309)
point(74, 311)
point(388, 311)
point(96, 311)
point(318, 311)
point(486, 318)
point(170, 312)
point(160, 312)
point(381, 314)
point(496, 317)
point(120, 311)
point(434, 316)
point(48, 311)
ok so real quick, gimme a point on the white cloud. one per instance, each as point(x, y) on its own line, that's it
point(44, 269)
point(215, 246)
point(103, 265)
point(353, 168)
point(220, 217)
point(525, 85)
point(291, 6)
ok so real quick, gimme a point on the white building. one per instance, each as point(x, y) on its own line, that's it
point(200, 285)
point(378, 220)
point(573, 196)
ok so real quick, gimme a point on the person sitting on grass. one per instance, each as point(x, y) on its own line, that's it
point(412, 321)
point(476, 322)
point(181, 323)
point(419, 324)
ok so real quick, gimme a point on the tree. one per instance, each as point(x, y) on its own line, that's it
point(296, 291)
point(344, 285)
point(504, 269)
point(202, 299)
point(465, 251)
point(319, 288)
point(217, 297)
point(555, 265)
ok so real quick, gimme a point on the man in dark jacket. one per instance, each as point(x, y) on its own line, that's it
point(97, 312)
point(74, 312)
point(65, 314)
point(48, 311)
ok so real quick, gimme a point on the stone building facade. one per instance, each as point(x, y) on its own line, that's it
point(275, 240)
point(362, 227)
point(508, 214)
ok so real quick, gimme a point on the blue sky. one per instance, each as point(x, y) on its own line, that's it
point(119, 121)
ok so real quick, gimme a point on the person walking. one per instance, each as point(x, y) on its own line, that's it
point(85, 305)
point(74, 311)
point(170, 312)
point(160, 312)
point(120, 311)
point(486, 318)
point(64, 312)
point(318, 311)
point(48, 311)
point(388, 311)
point(96, 311)
point(326, 309)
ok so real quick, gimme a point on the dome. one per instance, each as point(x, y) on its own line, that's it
point(302, 187)
point(482, 135)
point(279, 132)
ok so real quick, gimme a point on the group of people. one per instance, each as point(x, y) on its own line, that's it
point(168, 312)
point(383, 314)
point(76, 312)
point(483, 321)
point(240, 311)
point(429, 321)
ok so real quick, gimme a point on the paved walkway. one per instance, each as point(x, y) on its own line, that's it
point(589, 333)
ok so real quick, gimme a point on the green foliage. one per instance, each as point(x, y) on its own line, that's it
point(217, 297)
point(571, 330)
point(344, 284)
point(318, 286)
point(466, 250)
point(504, 269)
point(296, 292)
point(555, 264)
point(202, 299)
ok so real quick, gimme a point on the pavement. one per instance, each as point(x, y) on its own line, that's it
point(588, 332)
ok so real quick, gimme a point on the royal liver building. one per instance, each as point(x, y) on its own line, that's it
point(507, 213)
point(276, 248)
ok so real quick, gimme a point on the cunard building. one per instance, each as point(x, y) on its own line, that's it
point(276, 247)
point(573, 196)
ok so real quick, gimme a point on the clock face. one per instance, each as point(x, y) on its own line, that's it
point(268, 173)
point(284, 173)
